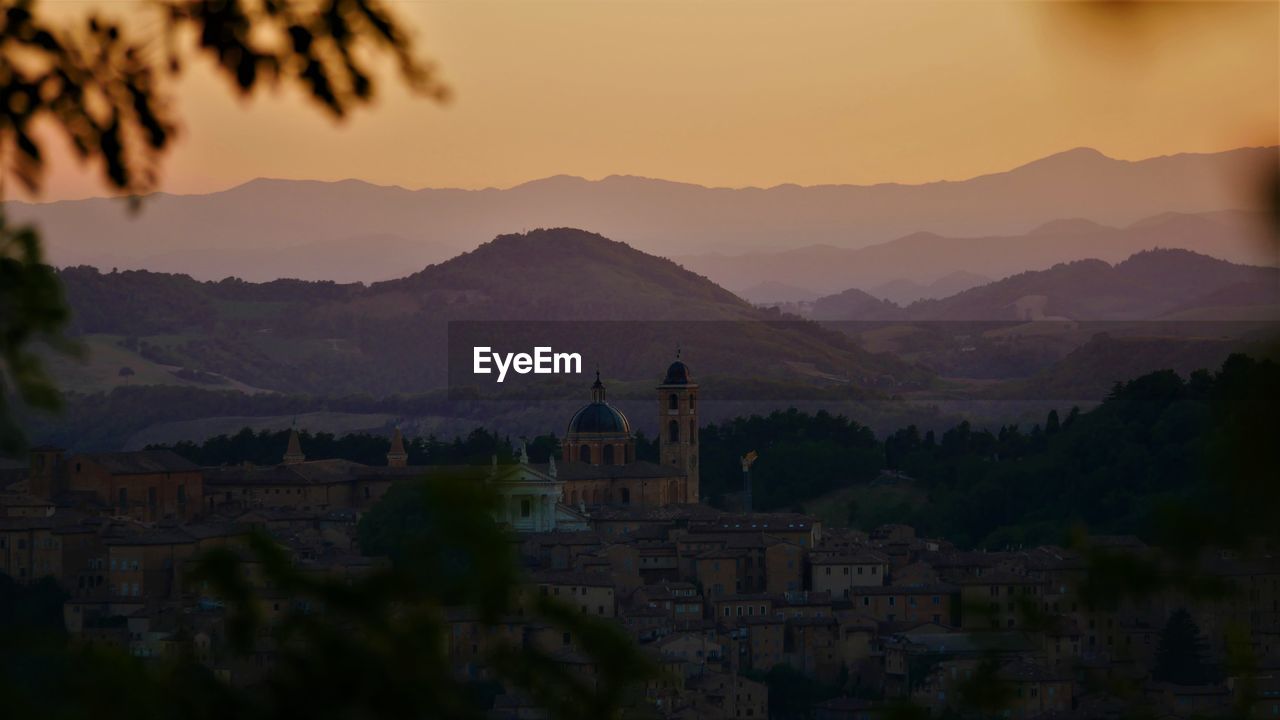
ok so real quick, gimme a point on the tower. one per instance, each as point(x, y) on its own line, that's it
point(293, 454)
point(678, 426)
point(396, 456)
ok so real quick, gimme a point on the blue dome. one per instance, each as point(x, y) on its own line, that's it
point(599, 417)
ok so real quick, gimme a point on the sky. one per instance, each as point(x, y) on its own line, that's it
point(750, 93)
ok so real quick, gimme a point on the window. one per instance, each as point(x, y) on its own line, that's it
point(673, 431)
point(608, 454)
point(673, 402)
point(584, 454)
point(626, 496)
point(524, 508)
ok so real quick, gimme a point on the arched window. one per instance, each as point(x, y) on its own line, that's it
point(673, 431)
point(693, 432)
point(608, 454)
point(626, 496)
point(584, 453)
point(693, 403)
point(673, 402)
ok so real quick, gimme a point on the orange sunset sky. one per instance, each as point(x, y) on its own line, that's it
point(741, 93)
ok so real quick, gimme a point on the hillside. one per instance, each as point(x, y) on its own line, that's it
point(354, 231)
point(545, 287)
point(1146, 286)
point(904, 292)
point(853, 304)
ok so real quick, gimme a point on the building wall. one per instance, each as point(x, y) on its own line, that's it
point(146, 497)
point(840, 578)
point(30, 553)
point(908, 605)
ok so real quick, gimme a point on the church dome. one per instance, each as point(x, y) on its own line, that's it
point(599, 417)
point(677, 374)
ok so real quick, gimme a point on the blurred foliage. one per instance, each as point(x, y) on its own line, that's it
point(371, 643)
point(31, 308)
point(101, 82)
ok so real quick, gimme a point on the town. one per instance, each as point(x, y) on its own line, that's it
point(725, 602)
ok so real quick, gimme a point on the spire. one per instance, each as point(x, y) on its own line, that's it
point(293, 454)
point(397, 457)
point(597, 389)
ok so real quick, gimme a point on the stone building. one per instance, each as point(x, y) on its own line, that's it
point(599, 450)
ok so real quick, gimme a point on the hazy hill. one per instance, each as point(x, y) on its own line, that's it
point(543, 287)
point(926, 257)
point(770, 293)
point(904, 292)
point(1147, 286)
point(352, 230)
point(854, 304)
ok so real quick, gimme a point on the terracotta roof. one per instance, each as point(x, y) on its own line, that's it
point(142, 462)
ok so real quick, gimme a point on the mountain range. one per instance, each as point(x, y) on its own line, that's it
point(352, 231)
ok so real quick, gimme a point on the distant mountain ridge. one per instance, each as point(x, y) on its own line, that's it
point(924, 258)
point(354, 231)
point(1149, 285)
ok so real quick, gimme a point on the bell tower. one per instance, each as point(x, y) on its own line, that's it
point(678, 426)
